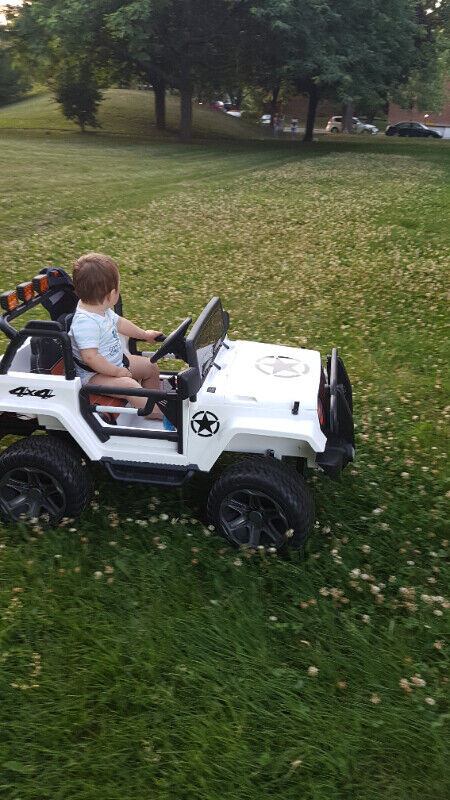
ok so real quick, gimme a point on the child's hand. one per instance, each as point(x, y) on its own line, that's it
point(150, 336)
point(123, 372)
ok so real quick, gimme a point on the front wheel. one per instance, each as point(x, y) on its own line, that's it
point(43, 478)
point(260, 502)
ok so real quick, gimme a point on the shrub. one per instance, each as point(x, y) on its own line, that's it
point(76, 89)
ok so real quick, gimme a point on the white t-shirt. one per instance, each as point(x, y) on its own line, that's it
point(89, 330)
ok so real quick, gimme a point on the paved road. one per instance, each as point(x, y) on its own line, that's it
point(300, 131)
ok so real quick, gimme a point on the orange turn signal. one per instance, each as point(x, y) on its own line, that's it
point(9, 300)
point(25, 291)
point(40, 283)
point(320, 413)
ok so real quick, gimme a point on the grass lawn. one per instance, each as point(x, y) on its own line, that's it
point(182, 670)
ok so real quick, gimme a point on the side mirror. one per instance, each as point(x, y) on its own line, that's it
point(188, 383)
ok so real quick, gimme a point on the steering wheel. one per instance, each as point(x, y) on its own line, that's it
point(173, 343)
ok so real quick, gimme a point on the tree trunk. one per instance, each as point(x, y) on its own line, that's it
point(159, 88)
point(273, 104)
point(347, 116)
point(186, 112)
point(312, 108)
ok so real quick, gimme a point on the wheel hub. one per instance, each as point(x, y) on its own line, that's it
point(31, 493)
point(251, 518)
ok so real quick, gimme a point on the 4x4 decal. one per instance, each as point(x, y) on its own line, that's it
point(24, 391)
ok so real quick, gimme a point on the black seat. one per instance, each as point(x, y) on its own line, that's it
point(47, 355)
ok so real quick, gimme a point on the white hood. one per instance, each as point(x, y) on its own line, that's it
point(268, 374)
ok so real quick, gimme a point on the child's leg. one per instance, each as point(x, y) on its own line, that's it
point(144, 371)
point(147, 374)
point(121, 383)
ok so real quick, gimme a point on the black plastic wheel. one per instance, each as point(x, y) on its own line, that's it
point(42, 477)
point(261, 502)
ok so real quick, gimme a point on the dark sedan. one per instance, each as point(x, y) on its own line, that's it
point(412, 129)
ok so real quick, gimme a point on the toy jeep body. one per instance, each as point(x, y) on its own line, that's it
point(267, 401)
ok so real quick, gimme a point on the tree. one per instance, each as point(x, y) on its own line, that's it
point(264, 44)
point(425, 87)
point(180, 42)
point(12, 81)
point(77, 91)
point(64, 43)
point(139, 25)
point(353, 50)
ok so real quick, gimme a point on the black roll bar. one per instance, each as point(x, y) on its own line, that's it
point(8, 329)
point(45, 329)
point(153, 395)
point(112, 391)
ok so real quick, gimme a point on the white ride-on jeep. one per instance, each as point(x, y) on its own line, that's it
point(276, 404)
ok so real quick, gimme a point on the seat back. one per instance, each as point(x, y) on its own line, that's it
point(46, 356)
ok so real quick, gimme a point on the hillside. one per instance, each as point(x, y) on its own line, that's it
point(126, 112)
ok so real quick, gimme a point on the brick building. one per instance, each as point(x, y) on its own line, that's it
point(298, 107)
point(397, 114)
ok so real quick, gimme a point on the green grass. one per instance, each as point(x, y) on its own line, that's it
point(127, 113)
point(185, 677)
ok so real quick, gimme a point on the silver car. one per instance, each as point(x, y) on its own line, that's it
point(334, 125)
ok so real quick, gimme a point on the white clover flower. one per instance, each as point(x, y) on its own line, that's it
point(313, 671)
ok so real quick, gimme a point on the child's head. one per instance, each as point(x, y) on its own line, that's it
point(96, 279)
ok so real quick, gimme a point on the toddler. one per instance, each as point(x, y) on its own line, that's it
point(95, 328)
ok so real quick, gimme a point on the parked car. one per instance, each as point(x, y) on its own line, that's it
point(265, 119)
point(218, 105)
point(334, 125)
point(417, 129)
point(234, 113)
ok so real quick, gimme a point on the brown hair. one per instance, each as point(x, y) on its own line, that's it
point(95, 276)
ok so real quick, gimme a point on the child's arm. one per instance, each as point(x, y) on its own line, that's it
point(128, 328)
point(95, 361)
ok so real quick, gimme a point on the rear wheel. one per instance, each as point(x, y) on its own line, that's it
point(261, 502)
point(42, 478)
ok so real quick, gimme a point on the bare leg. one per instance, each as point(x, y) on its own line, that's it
point(123, 383)
point(148, 376)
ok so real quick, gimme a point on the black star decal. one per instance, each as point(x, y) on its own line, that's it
point(205, 423)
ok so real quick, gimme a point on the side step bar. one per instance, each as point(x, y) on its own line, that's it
point(154, 474)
